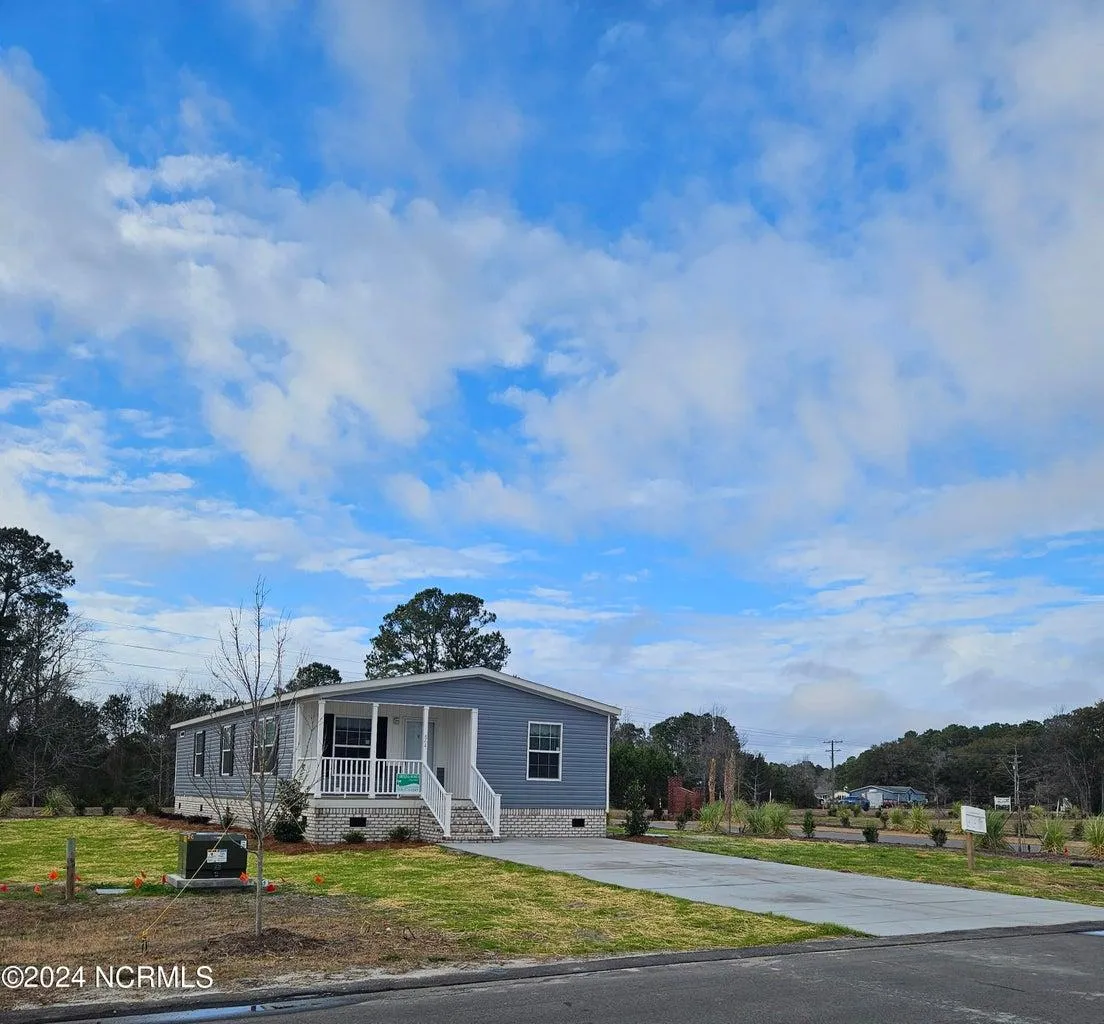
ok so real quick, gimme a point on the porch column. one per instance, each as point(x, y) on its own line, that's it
point(425, 734)
point(320, 729)
point(474, 735)
point(372, 751)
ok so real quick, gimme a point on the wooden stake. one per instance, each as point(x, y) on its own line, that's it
point(70, 867)
point(970, 850)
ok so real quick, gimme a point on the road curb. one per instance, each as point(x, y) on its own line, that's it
point(265, 999)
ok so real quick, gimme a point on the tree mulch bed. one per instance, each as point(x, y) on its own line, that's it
point(306, 937)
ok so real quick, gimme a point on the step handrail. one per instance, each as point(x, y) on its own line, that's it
point(486, 801)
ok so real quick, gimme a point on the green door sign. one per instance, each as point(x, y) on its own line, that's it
point(408, 785)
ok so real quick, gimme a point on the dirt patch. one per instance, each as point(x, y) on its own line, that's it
point(648, 840)
point(316, 935)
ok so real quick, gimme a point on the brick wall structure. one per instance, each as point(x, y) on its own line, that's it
point(679, 798)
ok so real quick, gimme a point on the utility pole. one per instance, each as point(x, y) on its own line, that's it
point(831, 745)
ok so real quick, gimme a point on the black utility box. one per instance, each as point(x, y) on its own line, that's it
point(212, 855)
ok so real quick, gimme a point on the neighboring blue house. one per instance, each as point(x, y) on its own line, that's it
point(458, 755)
point(889, 796)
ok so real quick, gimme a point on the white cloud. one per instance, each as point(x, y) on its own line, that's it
point(407, 562)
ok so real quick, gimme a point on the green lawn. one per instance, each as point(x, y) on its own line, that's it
point(918, 864)
point(495, 906)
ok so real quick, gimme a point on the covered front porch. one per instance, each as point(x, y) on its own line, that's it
point(386, 751)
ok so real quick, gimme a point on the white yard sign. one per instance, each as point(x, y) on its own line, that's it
point(973, 820)
point(1004, 802)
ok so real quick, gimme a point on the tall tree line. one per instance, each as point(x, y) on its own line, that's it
point(1059, 758)
point(685, 746)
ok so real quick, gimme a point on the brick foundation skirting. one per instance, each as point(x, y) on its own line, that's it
point(328, 823)
point(548, 823)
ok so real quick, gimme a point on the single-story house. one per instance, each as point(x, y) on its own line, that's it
point(890, 796)
point(467, 754)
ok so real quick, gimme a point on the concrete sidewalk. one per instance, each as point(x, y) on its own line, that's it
point(877, 906)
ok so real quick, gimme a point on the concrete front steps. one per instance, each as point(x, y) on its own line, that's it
point(468, 825)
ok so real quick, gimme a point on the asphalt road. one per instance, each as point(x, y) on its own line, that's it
point(1048, 979)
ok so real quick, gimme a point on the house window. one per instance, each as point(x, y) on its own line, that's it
point(265, 734)
point(199, 747)
point(545, 748)
point(352, 737)
point(226, 749)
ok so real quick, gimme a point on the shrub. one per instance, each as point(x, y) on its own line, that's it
point(1094, 835)
point(778, 820)
point(1077, 830)
point(739, 812)
point(10, 799)
point(58, 801)
point(353, 836)
point(897, 817)
point(711, 817)
point(287, 831)
point(684, 816)
point(680, 823)
point(870, 833)
point(133, 809)
point(938, 835)
point(227, 818)
point(291, 801)
point(79, 808)
point(636, 821)
point(108, 809)
point(401, 834)
point(919, 821)
point(756, 821)
point(808, 825)
point(994, 839)
point(1053, 837)
point(832, 811)
point(845, 817)
point(883, 816)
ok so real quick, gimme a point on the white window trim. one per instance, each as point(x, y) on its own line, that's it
point(232, 730)
point(199, 756)
point(258, 734)
point(529, 750)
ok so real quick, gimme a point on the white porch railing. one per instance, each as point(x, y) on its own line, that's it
point(437, 799)
point(487, 802)
point(352, 775)
point(345, 775)
point(388, 772)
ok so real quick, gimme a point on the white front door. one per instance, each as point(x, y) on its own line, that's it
point(413, 741)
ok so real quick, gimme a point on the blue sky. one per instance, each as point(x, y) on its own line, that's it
point(737, 355)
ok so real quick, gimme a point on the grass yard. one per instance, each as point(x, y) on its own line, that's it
point(918, 864)
point(486, 905)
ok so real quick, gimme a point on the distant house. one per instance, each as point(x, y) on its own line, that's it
point(889, 796)
point(464, 754)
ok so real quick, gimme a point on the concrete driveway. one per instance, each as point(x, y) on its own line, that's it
point(877, 906)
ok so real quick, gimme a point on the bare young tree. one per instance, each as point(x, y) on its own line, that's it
point(729, 785)
point(250, 666)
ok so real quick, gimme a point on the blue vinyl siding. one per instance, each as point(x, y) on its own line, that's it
point(503, 751)
point(214, 786)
